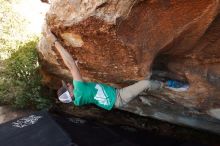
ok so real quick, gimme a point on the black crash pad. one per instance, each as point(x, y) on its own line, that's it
point(45, 129)
point(37, 129)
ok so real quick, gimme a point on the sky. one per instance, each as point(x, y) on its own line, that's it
point(34, 12)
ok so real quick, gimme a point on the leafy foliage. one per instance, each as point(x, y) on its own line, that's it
point(21, 83)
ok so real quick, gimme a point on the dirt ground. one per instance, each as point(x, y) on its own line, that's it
point(8, 113)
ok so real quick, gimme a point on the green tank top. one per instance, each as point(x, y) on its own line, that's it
point(102, 95)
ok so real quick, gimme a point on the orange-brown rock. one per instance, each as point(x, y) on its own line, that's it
point(119, 42)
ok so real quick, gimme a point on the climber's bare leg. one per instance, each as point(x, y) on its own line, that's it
point(126, 94)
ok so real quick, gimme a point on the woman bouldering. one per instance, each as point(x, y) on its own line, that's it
point(102, 95)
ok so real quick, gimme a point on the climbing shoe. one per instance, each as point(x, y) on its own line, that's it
point(177, 85)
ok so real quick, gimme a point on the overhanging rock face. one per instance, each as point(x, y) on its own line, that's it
point(119, 42)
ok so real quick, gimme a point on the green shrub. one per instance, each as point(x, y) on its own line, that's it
point(20, 84)
point(19, 77)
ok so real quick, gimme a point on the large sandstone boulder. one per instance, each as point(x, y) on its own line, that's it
point(119, 42)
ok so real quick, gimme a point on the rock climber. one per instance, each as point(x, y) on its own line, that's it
point(102, 95)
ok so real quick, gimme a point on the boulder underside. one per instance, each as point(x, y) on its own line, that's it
point(119, 42)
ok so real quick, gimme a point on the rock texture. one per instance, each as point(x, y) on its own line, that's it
point(119, 42)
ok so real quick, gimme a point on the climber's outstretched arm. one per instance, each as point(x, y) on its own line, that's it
point(67, 58)
point(69, 62)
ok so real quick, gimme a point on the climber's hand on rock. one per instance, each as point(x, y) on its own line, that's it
point(77, 62)
point(50, 36)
